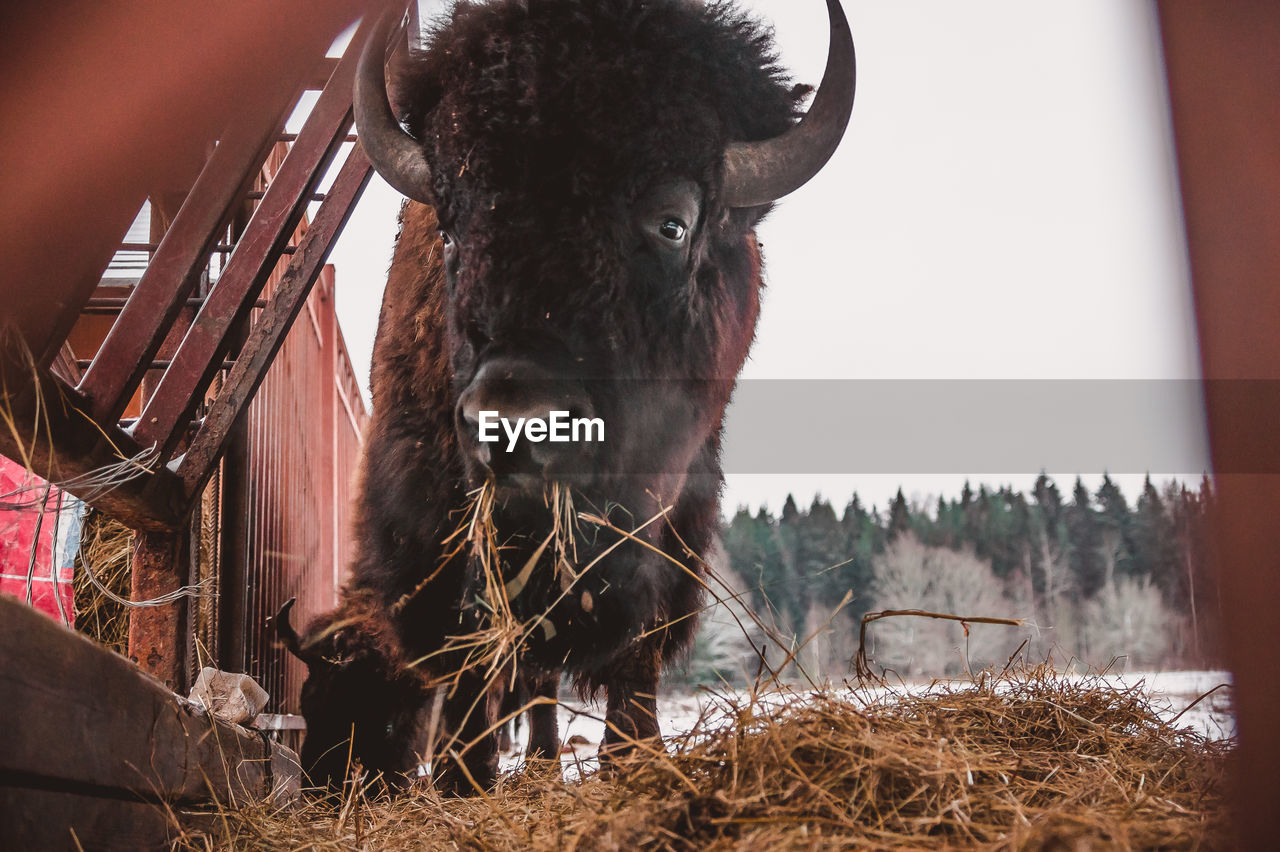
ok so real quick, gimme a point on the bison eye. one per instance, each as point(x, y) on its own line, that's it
point(673, 229)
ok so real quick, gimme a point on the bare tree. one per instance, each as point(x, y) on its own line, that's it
point(1056, 612)
point(1128, 618)
point(728, 641)
point(911, 575)
point(831, 641)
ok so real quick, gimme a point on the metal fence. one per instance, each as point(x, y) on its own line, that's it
point(303, 436)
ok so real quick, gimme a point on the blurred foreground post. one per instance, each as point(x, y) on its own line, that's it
point(1224, 76)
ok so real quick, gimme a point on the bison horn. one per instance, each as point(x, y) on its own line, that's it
point(284, 629)
point(761, 172)
point(395, 154)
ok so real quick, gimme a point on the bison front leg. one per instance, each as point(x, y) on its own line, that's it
point(631, 716)
point(466, 758)
point(544, 728)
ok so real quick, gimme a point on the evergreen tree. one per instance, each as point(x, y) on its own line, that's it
point(754, 550)
point(979, 523)
point(1005, 537)
point(1114, 547)
point(789, 510)
point(970, 526)
point(1050, 543)
point(743, 541)
point(1048, 500)
point(820, 553)
point(863, 539)
point(1089, 566)
point(1194, 584)
point(1206, 570)
point(1082, 527)
point(947, 526)
point(793, 600)
point(899, 517)
point(853, 523)
point(1154, 544)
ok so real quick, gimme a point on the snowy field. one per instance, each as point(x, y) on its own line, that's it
point(1171, 693)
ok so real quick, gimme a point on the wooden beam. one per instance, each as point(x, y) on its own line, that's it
point(53, 433)
point(48, 819)
point(181, 256)
point(99, 747)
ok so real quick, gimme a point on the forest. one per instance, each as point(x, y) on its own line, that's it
point(1099, 583)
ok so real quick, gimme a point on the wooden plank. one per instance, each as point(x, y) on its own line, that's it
point(46, 820)
point(82, 721)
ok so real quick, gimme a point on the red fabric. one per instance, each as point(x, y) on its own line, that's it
point(22, 499)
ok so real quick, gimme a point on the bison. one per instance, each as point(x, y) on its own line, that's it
point(358, 682)
point(584, 180)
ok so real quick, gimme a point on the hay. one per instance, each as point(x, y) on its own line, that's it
point(105, 548)
point(1024, 759)
point(1018, 759)
point(495, 646)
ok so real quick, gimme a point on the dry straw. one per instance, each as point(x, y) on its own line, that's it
point(106, 546)
point(1020, 760)
point(495, 647)
point(1017, 759)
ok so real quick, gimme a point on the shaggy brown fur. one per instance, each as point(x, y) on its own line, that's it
point(358, 681)
point(558, 133)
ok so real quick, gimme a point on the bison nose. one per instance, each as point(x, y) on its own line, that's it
point(517, 420)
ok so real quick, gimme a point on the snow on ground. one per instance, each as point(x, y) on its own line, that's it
point(1171, 694)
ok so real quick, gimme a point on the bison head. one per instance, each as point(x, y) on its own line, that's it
point(360, 701)
point(597, 170)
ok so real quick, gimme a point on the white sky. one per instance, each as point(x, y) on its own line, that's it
point(1004, 205)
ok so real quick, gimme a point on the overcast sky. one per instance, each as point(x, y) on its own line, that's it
point(1003, 206)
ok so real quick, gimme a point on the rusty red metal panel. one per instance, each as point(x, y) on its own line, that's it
point(303, 447)
point(105, 103)
point(349, 420)
point(256, 254)
point(1224, 75)
point(156, 633)
point(81, 163)
point(177, 263)
point(273, 324)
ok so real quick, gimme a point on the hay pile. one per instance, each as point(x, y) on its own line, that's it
point(106, 547)
point(1024, 760)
